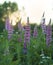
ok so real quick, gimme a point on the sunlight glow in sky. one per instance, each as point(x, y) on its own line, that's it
point(35, 8)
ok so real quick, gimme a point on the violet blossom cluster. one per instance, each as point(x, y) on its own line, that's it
point(26, 35)
point(27, 32)
point(35, 34)
point(9, 28)
point(43, 25)
point(20, 29)
point(49, 34)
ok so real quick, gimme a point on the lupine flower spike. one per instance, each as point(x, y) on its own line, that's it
point(35, 34)
point(9, 28)
point(49, 33)
point(43, 25)
point(27, 36)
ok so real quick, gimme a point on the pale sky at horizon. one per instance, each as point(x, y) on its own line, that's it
point(35, 8)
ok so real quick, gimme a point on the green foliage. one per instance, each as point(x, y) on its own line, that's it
point(11, 51)
point(32, 28)
point(2, 25)
point(11, 7)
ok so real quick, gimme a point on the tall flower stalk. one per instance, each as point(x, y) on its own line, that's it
point(43, 25)
point(9, 27)
point(27, 32)
point(26, 35)
point(35, 34)
point(20, 29)
point(49, 33)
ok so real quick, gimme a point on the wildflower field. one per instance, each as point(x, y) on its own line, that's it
point(26, 46)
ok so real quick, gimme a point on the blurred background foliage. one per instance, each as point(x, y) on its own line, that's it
point(5, 10)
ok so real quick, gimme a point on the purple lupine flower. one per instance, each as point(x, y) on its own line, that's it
point(26, 36)
point(27, 32)
point(49, 33)
point(43, 25)
point(7, 23)
point(20, 27)
point(20, 30)
point(35, 34)
point(9, 28)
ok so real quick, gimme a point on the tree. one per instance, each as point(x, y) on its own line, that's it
point(5, 10)
point(9, 8)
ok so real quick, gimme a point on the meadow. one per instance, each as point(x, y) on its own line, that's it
point(32, 45)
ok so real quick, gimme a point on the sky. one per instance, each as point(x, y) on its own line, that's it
point(35, 8)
